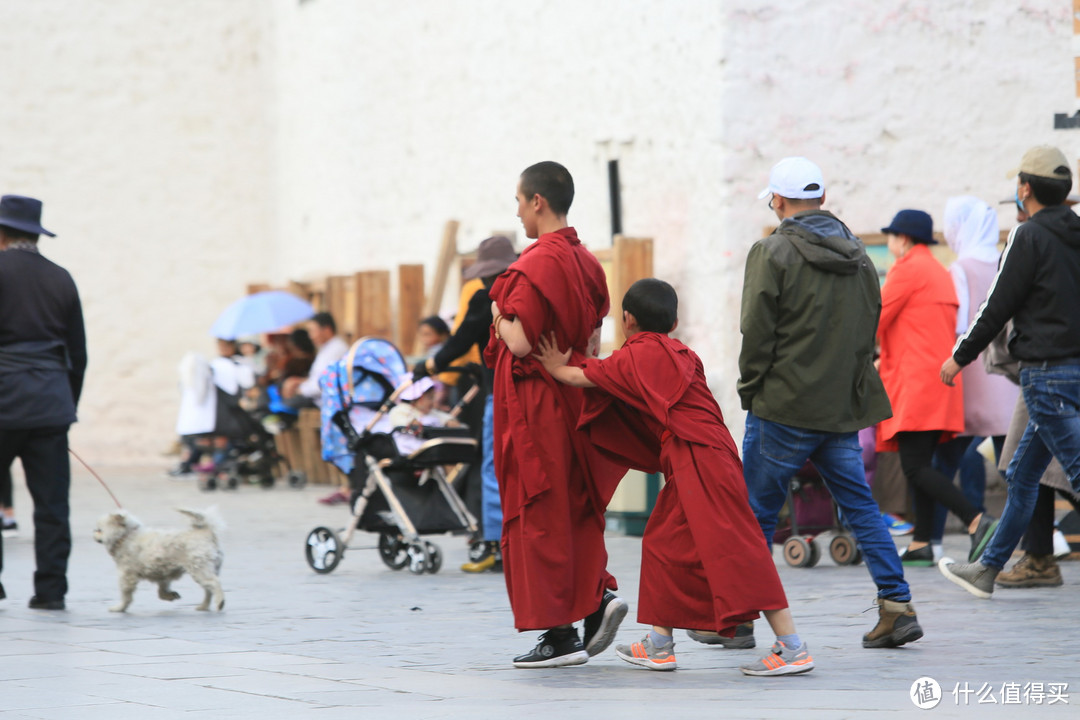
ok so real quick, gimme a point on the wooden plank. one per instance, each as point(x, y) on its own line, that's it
point(288, 446)
point(374, 316)
point(308, 426)
point(447, 255)
point(340, 291)
point(299, 289)
point(632, 260)
point(253, 288)
point(410, 306)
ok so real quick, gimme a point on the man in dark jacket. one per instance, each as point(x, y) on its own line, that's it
point(495, 255)
point(1038, 286)
point(810, 308)
point(42, 361)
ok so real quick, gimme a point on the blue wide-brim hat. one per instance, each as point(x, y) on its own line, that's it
point(916, 224)
point(22, 213)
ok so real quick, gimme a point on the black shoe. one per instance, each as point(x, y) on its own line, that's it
point(37, 603)
point(2, 593)
point(487, 558)
point(556, 648)
point(923, 557)
point(743, 640)
point(599, 627)
point(979, 539)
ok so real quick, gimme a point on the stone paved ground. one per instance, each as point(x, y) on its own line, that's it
point(366, 640)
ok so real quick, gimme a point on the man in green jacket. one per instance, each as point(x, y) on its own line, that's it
point(810, 308)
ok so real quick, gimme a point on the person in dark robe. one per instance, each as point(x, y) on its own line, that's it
point(553, 484)
point(42, 363)
point(704, 565)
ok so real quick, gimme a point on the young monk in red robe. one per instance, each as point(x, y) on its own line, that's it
point(554, 485)
point(703, 562)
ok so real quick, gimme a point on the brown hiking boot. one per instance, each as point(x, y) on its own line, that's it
point(1032, 571)
point(897, 625)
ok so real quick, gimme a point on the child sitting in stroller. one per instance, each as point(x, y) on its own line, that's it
point(417, 410)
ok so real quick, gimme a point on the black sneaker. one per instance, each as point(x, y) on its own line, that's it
point(37, 603)
point(2, 593)
point(557, 648)
point(979, 539)
point(599, 627)
point(923, 557)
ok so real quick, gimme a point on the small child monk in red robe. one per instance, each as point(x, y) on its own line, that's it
point(704, 565)
point(554, 484)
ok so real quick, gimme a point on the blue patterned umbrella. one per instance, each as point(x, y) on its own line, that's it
point(259, 313)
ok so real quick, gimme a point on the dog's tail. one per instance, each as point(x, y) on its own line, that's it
point(209, 518)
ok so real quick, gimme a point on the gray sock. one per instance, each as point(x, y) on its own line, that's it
point(792, 642)
point(659, 640)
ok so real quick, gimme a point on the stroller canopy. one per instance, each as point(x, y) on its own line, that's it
point(359, 383)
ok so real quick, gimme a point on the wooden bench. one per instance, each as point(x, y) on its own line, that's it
point(301, 445)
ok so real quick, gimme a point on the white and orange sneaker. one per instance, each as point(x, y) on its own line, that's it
point(647, 655)
point(781, 660)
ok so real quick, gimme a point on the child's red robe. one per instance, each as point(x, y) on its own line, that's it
point(704, 564)
point(554, 484)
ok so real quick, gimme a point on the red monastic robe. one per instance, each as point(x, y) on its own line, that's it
point(554, 485)
point(704, 564)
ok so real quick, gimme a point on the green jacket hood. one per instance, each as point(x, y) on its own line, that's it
point(825, 242)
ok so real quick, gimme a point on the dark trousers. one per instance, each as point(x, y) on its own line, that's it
point(44, 455)
point(1039, 538)
point(928, 485)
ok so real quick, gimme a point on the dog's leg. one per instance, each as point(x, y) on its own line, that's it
point(165, 593)
point(127, 591)
point(211, 585)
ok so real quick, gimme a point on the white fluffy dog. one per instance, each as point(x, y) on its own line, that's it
point(162, 556)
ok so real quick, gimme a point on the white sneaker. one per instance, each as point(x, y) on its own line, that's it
point(1061, 545)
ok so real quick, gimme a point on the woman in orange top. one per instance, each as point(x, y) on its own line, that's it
point(918, 329)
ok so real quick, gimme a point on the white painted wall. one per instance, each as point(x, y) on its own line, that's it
point(143, 126)
point(185, 149)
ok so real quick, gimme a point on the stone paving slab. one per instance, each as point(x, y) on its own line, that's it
point(294, 644)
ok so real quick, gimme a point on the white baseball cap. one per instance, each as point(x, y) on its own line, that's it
point(796, 178)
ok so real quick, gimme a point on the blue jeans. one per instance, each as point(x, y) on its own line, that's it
point(773, 453)
point(490, 504)
point(1052, 396)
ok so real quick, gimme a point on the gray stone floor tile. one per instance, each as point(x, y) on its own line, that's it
point(295, 644)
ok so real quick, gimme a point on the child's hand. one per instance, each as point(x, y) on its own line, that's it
point(549, 355)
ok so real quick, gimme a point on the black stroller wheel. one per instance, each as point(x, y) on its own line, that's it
point(297, 479)
point(418, 559)
point(393, 552)
point(266, 481)
point(434, 557)
point(323, 550)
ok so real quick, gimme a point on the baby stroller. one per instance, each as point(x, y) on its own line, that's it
point(252, 451)
point(400, 497)
point(812, 513)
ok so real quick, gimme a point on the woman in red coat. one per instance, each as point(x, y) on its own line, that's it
point(918, 329)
